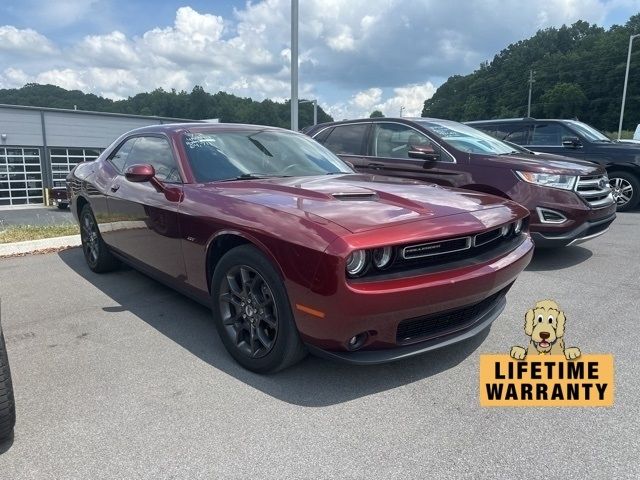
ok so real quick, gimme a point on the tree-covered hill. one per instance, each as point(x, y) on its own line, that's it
point(196, 105)
point(579, 72)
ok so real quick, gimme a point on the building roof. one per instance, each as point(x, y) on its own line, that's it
point(106, 114)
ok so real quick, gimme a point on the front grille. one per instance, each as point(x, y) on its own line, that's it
point(442, 323)
point(595, 190)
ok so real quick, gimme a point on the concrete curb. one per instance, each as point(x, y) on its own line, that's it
point(30, 246)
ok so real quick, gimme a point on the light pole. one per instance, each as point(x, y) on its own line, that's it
point(401, 109)
point(315, 109)
point(294, 65)
point(626, 79)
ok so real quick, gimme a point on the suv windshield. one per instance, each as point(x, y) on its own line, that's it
point(587, 131)
point(217, 156)
point(467, 139)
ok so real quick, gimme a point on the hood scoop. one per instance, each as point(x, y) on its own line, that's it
point(355, 196)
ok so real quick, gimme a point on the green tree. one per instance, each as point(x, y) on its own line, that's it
point(376, 114)
point(564, 100)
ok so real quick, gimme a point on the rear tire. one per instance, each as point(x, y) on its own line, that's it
point(625, 185)
point(96, 252)
point(252, 312)
point(7, 401)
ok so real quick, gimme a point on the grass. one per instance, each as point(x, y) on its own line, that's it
point(20, 233)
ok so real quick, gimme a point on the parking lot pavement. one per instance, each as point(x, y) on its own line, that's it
point(34, 216)
point(117, 376)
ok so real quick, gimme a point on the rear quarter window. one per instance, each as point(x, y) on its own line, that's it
point(347, 139)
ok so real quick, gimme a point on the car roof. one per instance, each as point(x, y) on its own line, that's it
point(522, 119)
point(170, 128)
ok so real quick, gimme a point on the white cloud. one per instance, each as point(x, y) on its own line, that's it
point(24, 41)
point(379, 54)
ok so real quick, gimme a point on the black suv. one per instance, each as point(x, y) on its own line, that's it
point(572, 138)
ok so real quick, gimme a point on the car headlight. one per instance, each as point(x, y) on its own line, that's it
point(382, 257)
point(565, 182)
point(517, 227)
point(356, 262)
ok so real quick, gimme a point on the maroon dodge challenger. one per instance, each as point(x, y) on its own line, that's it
point(292, 250)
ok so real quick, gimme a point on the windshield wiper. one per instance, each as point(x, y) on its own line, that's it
point(249, 176)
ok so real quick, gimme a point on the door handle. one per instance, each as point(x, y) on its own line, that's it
point(114, 188)
point(376, 166)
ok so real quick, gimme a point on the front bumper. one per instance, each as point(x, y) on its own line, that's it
point(372, 357)
point(382, 307)
point(582, 233)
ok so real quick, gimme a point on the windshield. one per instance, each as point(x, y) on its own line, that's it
point(265, 153)
point(588, 131)
point(466, 138)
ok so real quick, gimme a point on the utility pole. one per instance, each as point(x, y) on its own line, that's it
point(531, 80)
point(401, 109)
point(294, 65)
point(626, 79)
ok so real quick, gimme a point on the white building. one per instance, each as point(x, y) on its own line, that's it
point(39, 146)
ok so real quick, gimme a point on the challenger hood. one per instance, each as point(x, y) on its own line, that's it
point(361, 202)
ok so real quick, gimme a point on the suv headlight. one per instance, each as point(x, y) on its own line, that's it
point(565, 182)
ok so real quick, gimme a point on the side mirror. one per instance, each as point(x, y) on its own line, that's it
point(140, 173)
point(424, 152)
point(571, 142)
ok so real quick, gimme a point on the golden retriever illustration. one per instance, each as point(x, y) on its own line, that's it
point(545, 325)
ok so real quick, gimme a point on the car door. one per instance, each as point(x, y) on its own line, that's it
point(144, 220)
point(389, 147)
point(348, 141)
point(548, 137)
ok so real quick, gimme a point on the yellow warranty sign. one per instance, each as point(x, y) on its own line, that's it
point(546, 381)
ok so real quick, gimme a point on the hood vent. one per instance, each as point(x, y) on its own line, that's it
point(355, 196)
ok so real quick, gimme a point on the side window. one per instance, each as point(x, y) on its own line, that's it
point(347, 139)
point(322, 136)
point(392, 140)
point(516, 133)
point(550, 134)
point(119, 157)
point(155, 151)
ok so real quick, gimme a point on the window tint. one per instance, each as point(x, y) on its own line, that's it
point(119, 158)
point(347, 139)
point(549, 134)
point(155, 151)
point(322, 136)
point(392, 140)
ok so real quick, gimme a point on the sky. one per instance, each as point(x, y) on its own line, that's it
point(356, 56)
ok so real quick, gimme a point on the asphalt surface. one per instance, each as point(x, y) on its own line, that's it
point(117, 376)
point(35, 216)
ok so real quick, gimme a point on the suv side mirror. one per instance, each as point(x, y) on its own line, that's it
point(425, 152)
point(140, 173)
point(571, 142)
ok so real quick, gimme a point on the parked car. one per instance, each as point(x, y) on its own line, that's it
point(570, 201)
point(293, 249)
point(7, 401)
point(60, 198)
point(576, 139)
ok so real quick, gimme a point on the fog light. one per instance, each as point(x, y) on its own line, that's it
point(357, 341)
point(382, 257)
point(356, 262)
point(517, 228)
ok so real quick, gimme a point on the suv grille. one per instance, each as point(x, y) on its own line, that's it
point(595, 190)
point(443, 323)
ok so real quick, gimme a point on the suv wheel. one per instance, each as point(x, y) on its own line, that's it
point(626, 190)
point(7, 402)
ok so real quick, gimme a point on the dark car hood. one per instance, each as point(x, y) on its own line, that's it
point(540, 162)
point(359, 202)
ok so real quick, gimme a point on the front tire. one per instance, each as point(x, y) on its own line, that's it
point(7, 401)
point(96, 253)
point(626, 190)
point(252, 312)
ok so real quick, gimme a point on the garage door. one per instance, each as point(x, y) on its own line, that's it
point(64, 159)
point(20, 176)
